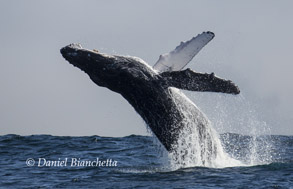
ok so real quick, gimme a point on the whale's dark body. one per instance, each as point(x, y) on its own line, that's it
point(149, 92)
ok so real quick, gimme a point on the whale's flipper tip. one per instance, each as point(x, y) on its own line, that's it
point(178, 58)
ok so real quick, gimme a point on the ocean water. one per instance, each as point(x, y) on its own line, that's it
point(44, 161)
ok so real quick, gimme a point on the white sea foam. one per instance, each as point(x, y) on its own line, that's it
point(199, 143)
point(226, 114)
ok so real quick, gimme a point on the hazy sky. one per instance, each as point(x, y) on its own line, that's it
point(42, 94)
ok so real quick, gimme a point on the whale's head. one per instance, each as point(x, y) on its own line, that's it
point(107, 70)
point(125, 73)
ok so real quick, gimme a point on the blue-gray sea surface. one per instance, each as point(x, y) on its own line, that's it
point(44, 161)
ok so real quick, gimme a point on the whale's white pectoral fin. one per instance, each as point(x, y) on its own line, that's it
point(183, 54)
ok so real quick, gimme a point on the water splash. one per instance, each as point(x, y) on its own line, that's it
point(234, 114)
point(198, 143)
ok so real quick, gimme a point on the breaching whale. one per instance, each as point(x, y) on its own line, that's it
point(154, 92)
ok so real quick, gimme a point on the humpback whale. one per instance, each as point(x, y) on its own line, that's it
point(154, 92)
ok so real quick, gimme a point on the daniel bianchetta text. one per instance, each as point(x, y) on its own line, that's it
point(71, 162)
